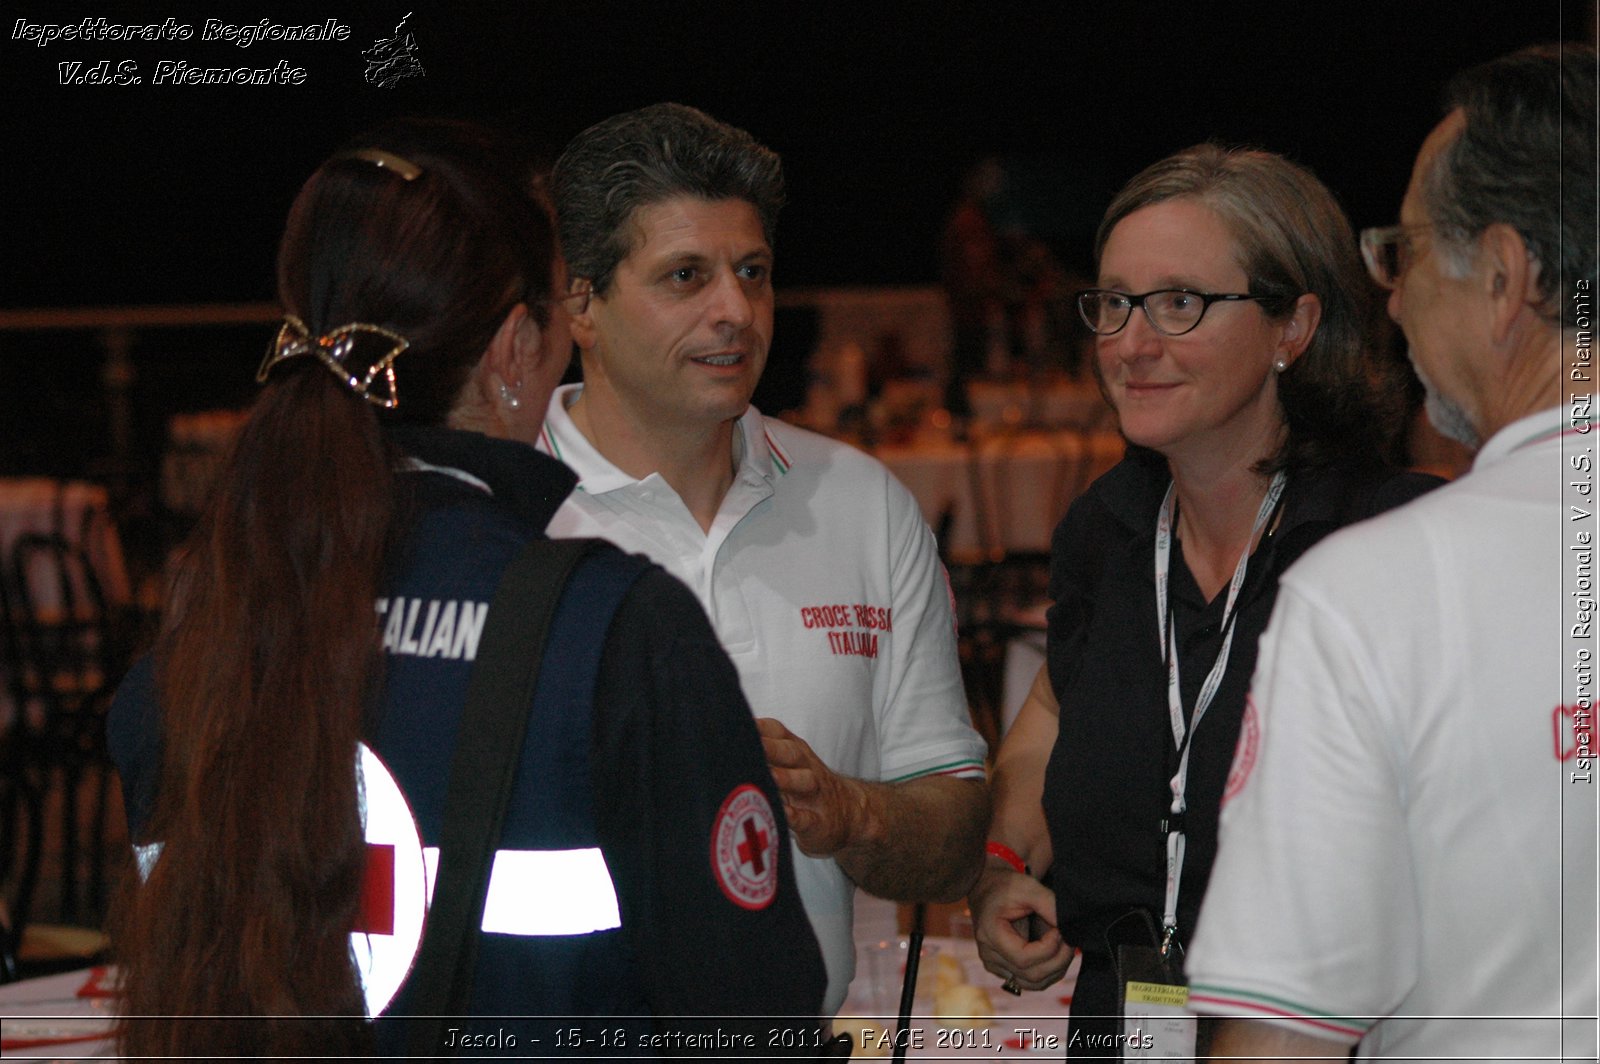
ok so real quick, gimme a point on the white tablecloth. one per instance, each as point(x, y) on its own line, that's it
point(1020, 1026)
point(58, 1017)
point(69, 1016)
point(1061, 403)
point(1005, 492)
point(77, 511)
point(1028, 1025)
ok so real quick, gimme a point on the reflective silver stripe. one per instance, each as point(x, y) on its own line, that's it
point(417, 465)
point(535, 893)
point(540, 893)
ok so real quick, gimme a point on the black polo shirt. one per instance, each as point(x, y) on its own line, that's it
point(1107, 785)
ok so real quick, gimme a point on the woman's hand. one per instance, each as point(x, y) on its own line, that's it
point(1004, 899)
point(1002, 903)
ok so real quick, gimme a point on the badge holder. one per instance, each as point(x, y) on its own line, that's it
point(1152, 994)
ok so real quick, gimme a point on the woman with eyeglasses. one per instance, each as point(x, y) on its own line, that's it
point(1232, 322)
point(327, 614)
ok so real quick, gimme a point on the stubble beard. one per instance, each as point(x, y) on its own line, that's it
point(1446, 415)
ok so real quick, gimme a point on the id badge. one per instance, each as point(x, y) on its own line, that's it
point(1156, 1021)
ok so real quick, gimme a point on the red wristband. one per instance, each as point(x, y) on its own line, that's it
point(1006, 854)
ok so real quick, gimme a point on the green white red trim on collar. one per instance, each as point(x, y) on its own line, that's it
point(549, 439)
point(1543, 435)
point(780, 460)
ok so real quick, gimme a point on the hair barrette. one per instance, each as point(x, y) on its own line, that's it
point(385, 160)
point(360, 355)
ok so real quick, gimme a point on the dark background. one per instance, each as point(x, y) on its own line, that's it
point(175, 194)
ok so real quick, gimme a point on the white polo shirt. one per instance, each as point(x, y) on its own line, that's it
point(1408, 855)
point(824, 584)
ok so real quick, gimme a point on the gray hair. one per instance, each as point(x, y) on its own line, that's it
point(1292, 239)
point(1526, 157)
point(634, 160)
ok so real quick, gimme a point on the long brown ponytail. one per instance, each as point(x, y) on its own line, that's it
point(267, 659)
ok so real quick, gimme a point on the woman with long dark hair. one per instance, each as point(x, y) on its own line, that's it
point(332, 595)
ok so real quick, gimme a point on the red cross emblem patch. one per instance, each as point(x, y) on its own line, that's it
point(744, 848)
point(1244, 754)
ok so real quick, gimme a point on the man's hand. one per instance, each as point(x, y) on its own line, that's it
point(826, 811)
point(916, 840)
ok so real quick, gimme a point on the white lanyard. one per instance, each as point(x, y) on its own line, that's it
point(1182, 736)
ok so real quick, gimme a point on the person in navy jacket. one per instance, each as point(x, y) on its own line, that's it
point(326, 613)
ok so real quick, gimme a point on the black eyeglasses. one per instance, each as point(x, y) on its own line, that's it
point(1170, 311)
point(1388, 251)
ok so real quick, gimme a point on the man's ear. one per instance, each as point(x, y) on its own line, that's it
point(1300, 328)
point(1509, 278)
point(581, 308)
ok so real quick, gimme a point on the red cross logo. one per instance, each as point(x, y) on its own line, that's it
point(744, 848)
point(375, 913)
point(755, 840)
point(393, 899)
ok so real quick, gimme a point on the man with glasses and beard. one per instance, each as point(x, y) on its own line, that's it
point(1407, 861)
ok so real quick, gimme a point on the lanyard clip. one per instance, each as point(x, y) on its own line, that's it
point(1169, 935)
point(1172, 824)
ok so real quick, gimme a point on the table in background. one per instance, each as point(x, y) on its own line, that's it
point(70, 1016)
point(1004, 492)
point(70, 508)
point(950, 1038)
point(58, 1017)
point(995, 500)
point(79, 513)
point(1051, 402)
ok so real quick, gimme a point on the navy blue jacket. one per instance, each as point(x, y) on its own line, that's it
point(639, 744)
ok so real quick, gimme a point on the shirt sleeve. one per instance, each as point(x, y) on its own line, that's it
point(694, 834)
point(925, 727)
point(1311, 917)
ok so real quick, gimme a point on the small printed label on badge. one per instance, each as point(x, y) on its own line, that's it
point(1157, 994)
point(1156, 1021)
point(1156, 1025)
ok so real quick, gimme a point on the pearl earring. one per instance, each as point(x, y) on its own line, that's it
point(1280, 365)
point(508, 397)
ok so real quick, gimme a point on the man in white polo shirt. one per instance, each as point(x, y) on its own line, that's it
point(814, 564)
point(1407, 856)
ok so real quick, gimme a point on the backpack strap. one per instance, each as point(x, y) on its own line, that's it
point(483, 768)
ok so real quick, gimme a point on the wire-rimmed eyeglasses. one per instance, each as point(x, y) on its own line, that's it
point(1388, 251)
point(1170, 311)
